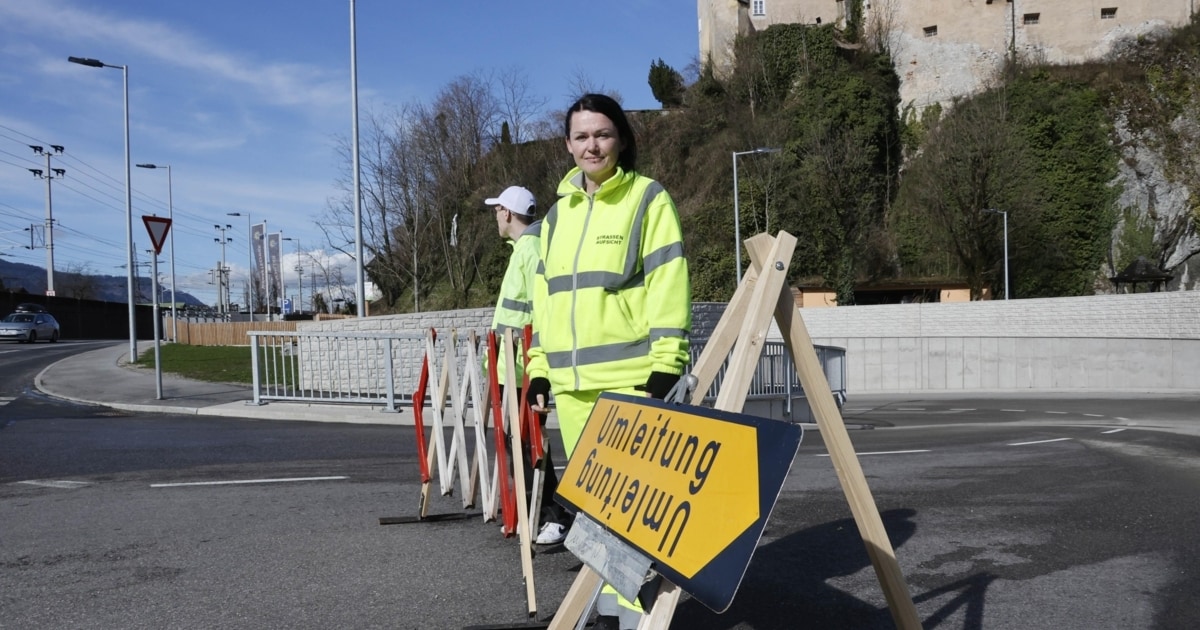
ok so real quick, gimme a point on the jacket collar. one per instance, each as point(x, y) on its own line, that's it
point(573, 183)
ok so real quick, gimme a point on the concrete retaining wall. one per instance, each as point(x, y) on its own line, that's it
point(1142, 342)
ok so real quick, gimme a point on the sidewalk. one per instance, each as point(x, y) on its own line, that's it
point(104, 377)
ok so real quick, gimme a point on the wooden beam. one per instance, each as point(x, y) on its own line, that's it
point(841, 450)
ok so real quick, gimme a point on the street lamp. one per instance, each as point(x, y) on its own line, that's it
point(171, 216)
point(737, 230)
point(249, 260)
point(1004, 214)
point(96, 63)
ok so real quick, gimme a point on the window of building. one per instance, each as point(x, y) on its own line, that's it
point(1108, 14)
point(758, 7)
point(931, 31)
point(1032, 18)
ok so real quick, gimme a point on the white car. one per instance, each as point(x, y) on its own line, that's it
point(29, 327)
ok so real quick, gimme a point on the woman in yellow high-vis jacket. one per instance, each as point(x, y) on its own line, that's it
point(612, 303)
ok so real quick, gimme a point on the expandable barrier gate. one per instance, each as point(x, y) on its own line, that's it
point(482, 473)
point(457, 401)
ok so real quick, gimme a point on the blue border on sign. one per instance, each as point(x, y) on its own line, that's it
point(778, 441)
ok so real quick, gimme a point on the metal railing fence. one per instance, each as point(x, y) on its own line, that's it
point(383, 368)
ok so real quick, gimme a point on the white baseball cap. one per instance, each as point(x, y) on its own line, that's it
point(514, 199)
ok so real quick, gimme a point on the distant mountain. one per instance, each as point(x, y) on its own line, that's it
point(15, 276)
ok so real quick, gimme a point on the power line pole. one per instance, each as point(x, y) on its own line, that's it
point(222, 273)
point(49, 174)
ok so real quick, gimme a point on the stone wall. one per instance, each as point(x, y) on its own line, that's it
point(1141, 342)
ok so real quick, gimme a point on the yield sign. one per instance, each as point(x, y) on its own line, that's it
point(158, 228)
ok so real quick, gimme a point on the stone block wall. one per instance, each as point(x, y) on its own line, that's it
point(1140, 342)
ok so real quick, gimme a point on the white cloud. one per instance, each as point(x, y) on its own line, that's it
point(288, 84)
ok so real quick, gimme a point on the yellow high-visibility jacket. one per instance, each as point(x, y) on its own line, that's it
point(612, 299)
point(514, 306)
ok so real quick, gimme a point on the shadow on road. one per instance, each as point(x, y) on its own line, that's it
point(786, 585)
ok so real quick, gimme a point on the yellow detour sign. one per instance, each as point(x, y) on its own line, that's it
point(689, 487)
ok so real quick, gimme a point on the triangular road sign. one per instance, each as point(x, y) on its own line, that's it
point(158, 228)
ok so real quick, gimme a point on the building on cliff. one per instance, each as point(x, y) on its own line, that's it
point(943, 49)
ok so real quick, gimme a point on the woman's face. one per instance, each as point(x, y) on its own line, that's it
point(595, 145)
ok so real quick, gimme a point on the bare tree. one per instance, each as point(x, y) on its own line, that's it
point(974, 159)
point(451, 137)
point(518, 106)
point(78, 280)
point(881, 32)
point(580, 83)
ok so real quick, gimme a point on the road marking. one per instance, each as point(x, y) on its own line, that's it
point(962, 410)
point(1061, 413)
point(4, 400)
point(1014, 410)
point(242, 481)
point(1094, 415)
point(910, 409)
point(1122, 419)
point(923, 450)
point(51, 483)
point(1112, 431)
point(1038, 442)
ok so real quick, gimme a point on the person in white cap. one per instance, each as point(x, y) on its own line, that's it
point(515, 211)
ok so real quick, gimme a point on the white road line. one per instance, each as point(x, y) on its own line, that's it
point(1094, 415)
point(242, 481)
point(1061, 413)
point(50, 483)
point(1112, 431)
point(1122, 419)
point(962, 410)
point(1014, 410)
point(4, 400)
point(910, 409)
point(924, 450)
point(1038, 442)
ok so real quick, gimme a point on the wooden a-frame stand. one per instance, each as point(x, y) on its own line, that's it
point(763, 290)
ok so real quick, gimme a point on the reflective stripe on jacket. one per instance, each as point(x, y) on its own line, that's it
point(612, 298)
point(514, 306)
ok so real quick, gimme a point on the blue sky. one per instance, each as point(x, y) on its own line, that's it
point(246, 100)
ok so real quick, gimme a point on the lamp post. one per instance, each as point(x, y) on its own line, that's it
point(737, 230)
point(249, 260)
point(359, 271)
point(171, 216)
point(96, 63)
point(1004, 215)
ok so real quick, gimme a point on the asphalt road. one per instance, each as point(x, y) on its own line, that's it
point(1005, 512)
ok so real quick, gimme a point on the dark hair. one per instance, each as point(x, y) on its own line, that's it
point(602, 104)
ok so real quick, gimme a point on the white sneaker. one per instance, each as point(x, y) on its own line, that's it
point(551, 534)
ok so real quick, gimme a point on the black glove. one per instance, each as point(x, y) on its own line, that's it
point(539, 386)
point(660, 383)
